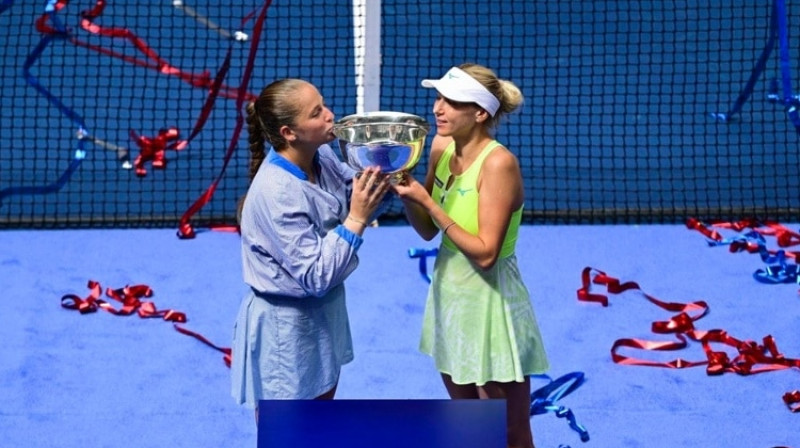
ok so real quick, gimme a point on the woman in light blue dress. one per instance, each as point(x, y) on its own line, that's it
point(302, 222)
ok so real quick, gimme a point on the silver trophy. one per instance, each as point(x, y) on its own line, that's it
point(394, 141)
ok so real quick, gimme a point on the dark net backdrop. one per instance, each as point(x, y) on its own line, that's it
point(122, 114)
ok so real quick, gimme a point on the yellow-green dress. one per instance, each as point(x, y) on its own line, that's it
point(479, 326)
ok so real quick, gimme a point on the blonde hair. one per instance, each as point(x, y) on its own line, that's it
point(506, 91)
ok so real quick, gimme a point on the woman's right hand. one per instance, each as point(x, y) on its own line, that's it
point(411, 190)
point(418, 206)
point(369, 188)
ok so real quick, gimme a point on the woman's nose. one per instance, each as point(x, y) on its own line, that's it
point(437, 106)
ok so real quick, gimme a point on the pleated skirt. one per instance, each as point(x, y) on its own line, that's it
point(286, 348)
point(480, 326)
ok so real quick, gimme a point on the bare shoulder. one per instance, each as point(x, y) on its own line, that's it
point(438, 145)
point(501, 160)
point(501, 178)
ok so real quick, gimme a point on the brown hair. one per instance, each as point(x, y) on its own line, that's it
point(266, 115)
point(272, 110)
point(506, 91)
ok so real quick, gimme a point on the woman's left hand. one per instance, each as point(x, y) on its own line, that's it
point(411, 190)
point(369, 188)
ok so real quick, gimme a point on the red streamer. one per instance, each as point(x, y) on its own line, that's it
point(130, 298)
point(151, 58)
point(153, 149)
point(784, 237)
point(792, 400)
point(185, 229)
point(750, 358)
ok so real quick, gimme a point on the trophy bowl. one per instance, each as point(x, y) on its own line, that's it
point(394, 141)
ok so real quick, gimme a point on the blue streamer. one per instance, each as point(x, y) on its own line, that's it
point(34, 82)
point(778, 32)
point(423, 255)
point(779, 270)
point(790, 101)
point(756, 72)
point(748, 237)
point(5, 4)
point(80, 151)
point(543, 400)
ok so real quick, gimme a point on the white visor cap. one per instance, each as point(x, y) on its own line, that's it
point(457, 85)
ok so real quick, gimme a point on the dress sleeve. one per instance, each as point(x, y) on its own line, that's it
point(298, 258)
point(341, 170)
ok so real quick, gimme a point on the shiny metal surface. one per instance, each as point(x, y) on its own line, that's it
point(392, 140)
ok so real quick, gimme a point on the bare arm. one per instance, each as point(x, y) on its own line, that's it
point(417, 199)
point(500, 194)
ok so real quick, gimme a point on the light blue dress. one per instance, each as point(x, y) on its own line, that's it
point(292, 333)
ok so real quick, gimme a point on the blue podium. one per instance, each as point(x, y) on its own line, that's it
point(382, 423)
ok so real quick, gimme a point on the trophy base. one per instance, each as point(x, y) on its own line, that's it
point(398, 178)
point(395, 178)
